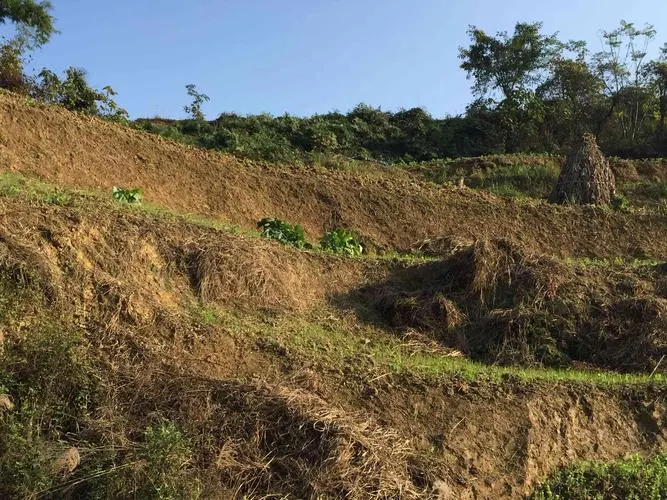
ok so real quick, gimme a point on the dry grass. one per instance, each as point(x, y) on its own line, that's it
point(499, 303)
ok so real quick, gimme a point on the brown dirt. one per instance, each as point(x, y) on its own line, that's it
point(283, 424)
point(485, 434)
point(138, 265)
point(78, 151)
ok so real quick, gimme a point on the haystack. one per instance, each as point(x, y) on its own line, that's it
point(586, 178)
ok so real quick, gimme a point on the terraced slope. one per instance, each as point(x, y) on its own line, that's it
point(391, 210)
point(164, 355)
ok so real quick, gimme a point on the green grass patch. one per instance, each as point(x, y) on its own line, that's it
point(509, 176)
point(632, 479)
point(12, 185)
point(655, 191)
point(340, 342)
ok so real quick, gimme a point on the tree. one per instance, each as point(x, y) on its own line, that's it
point(34, 27)
point(33, 20)
point(657, 75)
point(621, 66)
point(11, 69)
point(572, 96)
point(194, 109)
point(514, 66)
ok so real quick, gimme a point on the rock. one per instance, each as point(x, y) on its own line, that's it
point(67, 462)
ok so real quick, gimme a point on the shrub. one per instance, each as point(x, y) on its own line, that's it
point(11, 69)
point(75, 94)
point(168, 453)
point(279, 230)
point(133, 195)
point(341, 241)
point(620, 203)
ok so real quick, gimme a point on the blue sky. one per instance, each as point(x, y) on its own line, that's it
point(303, 56)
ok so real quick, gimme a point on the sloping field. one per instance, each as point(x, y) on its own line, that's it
point(301, 398)
point(145, 353)
point(392, 211)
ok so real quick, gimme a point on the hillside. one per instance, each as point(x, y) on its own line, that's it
point(390, 209)
point(183, 356)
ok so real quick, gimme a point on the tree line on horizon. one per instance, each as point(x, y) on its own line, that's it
point(532, 93)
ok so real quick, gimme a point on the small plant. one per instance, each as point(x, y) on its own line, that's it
point(198, 99)
point(58, 198)
point(279, 230)
point(132, 196)
point(620, 203)
point(341, 241)
point(167, 450)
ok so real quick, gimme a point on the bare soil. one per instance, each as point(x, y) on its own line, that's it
point(389, 211)
point(131, 280)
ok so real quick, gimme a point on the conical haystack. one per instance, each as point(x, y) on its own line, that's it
point(586, 177)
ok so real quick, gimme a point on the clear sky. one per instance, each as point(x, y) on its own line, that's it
point(303, 56)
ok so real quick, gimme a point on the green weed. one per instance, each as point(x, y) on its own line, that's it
point(132, 195)
point(621, 203)
point(341, 241)
point(284, 232)
point(632, 479)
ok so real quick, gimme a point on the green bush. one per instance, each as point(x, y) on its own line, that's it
point(133, 195)
point(633, 479)
point(12, 76)
point(620, 203)
point(75, 94)
point(168, 454)
point(341, 241)
point(279, 230)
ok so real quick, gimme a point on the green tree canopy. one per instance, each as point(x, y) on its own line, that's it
point(32, 18)
point(512, 64)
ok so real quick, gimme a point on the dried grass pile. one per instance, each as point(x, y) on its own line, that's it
point(500, 303)
point(586, 178)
